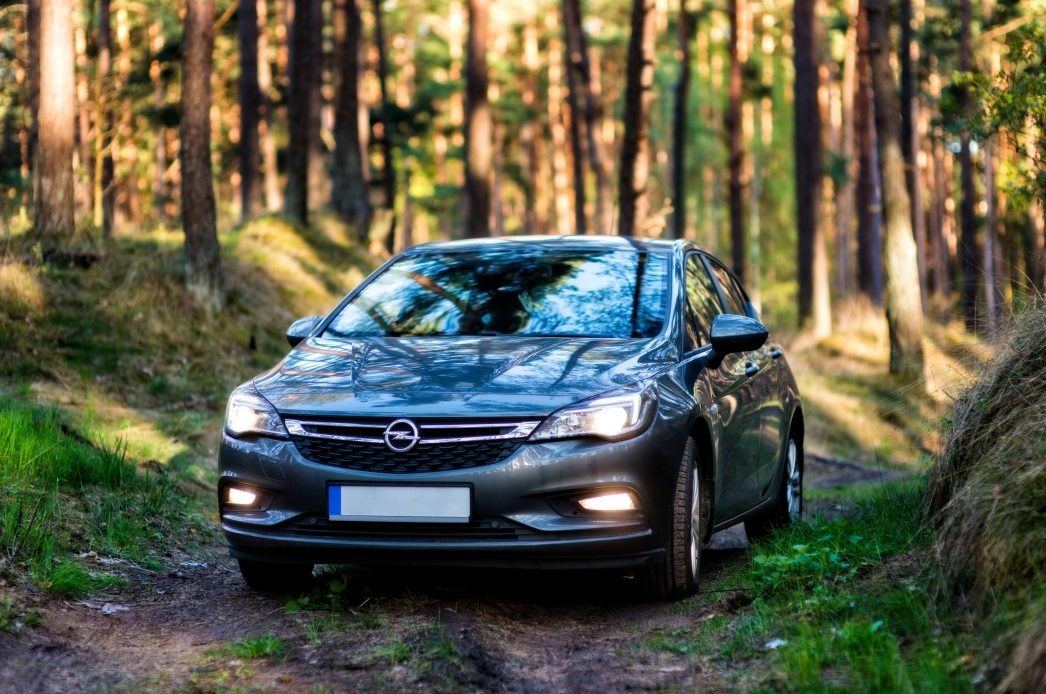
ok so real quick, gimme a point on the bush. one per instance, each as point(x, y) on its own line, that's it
point(987, 495)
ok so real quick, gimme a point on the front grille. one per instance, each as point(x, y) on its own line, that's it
point(440, 446)
point(478, 530)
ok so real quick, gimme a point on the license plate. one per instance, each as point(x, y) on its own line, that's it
point(399, 503)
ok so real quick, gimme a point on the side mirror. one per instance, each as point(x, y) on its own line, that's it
point(732, 333)
point(301, 329)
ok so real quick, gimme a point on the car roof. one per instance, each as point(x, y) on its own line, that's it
point(576, 242)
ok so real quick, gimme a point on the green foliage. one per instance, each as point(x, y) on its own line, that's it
point(69, 580)
point(257, 647)
point(14, 617)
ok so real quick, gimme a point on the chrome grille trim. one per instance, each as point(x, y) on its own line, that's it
point(521, 430)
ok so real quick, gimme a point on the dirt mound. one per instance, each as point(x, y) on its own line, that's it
point(987, 495)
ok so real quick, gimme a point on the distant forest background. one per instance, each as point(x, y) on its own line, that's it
point(762, 129)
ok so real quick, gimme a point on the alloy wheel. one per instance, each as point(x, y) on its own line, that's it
point(794, 482)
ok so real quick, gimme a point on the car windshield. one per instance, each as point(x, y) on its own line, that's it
point(513, 291)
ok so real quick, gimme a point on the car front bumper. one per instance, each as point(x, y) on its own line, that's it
point(523, 514)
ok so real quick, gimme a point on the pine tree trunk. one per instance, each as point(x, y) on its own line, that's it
point(478, 124)
point(349, 195)
point(910, 136)
point(160, 187)
point(536, 199)
point(32, 22)
point(296, 197)
point(54, 220)
point(104, 198)
point(812, 260)
point(557, 157)
point(869, 261)
point(735, 155)
point(635, 146)
point(571, 25)
point(844, 205)
point(204, 274)
point(250, 106)
point(970, 265)
point(679, 122)
point(270, 171)
point(319, 178)
point(388, 171)
point(904, 312)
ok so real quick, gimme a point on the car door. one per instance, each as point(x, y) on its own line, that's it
point(736, 478)
point(761, 367)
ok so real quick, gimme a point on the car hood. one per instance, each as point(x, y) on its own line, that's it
point(454, 376)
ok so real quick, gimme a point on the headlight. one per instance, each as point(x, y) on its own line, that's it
point(609, 417)
point(250, 413)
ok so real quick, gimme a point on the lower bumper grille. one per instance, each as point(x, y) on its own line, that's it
point(320, 526)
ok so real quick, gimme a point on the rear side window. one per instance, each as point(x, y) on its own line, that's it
point(701, 303)
point(735, 300)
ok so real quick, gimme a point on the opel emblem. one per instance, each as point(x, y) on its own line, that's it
point(402, 435)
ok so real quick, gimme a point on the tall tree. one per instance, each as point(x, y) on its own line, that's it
point(968, 236)
point(32, 23)
point(318, 192)
point(576, 121)
point(904, 312)
point(735, 156)
point(299, 107)
point(204, 272)
point(588, 86)
point(270, 170)
point(844, 206)
point(679, 121)
point(478, 123)
point(54, 222)
point(910, 135)
point(635, 146)
point(869, 220)
point(250, 107)
point(388, 171)
point(104, 191)
point(813, 260)
point(349, 195)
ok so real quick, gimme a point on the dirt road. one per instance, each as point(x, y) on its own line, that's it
point(196, 627)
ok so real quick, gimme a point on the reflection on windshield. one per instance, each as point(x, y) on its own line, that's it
point(513, 291)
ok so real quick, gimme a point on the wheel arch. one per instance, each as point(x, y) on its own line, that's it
point(701, 432)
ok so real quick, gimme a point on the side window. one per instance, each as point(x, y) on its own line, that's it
point(701, 303)
point(735, 300)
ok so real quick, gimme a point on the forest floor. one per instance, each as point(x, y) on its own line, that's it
point(115, 577)
point(195, 626)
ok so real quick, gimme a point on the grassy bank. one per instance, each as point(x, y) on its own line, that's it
point(113, 385)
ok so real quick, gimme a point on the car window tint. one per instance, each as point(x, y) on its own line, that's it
point(701, 303)
point(735, 301)
point(513, 290)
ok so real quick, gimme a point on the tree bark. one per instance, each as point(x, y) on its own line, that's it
point(204, 273)
point(845, 191)
point(869, 203)
point(388, 171)
point(968, 236)
point(296, 197)
point(319, 177)
point(904, 313)
point(104, 192)
point(270, 172)
point(572, 24)
point(32, 22)
point(735, 155)
point(478, 124)
point(812, 261)
point(557, 155)
point(250, 106)
point(54, 220)
point(910, 137)
point(349, 195)
point(680, 121)
point(588, 86)
point(635, 146)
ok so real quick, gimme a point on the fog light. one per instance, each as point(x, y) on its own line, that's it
point(618, 501)
point(241, 497)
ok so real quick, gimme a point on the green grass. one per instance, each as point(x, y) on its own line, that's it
point(13, 616)
point(256, 647)
point(851, 600)
point(61, 494)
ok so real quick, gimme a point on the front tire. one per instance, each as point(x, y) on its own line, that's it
point(275, 578)
point(676, 575)
point(787, 507)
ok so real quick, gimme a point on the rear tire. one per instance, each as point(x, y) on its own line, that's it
point(676, 575)
point(275, 578)
point(787, 507)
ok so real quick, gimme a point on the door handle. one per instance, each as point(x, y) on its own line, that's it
point(751, 369)
point(776, 353)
